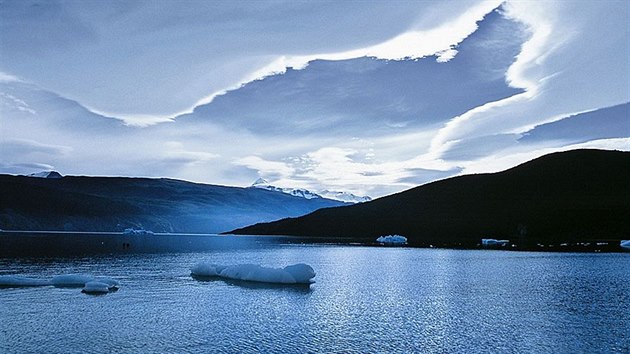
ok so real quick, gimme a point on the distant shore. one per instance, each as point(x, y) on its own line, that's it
point(51, 243)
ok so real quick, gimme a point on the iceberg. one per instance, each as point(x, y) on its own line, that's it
point(71, 280)
point(80, 280)
point(294, 274)
point(625, 244)
point(90, 284)
point(14, 281)
point(95, 287)
point(490, 242)
point(392, 240)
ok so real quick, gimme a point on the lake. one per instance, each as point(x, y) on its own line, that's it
point(365, 299)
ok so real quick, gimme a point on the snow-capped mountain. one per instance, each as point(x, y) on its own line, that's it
point(297, 192)
point(344, 196)
point(46, 174)
point(304, 193)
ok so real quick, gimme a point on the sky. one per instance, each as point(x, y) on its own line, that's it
point(369, 97)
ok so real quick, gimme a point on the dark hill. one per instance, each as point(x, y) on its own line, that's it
point(161, 205)
point(567, 196)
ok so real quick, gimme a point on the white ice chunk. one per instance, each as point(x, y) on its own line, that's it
point(111, 283)
point(625, 244)
point(392, 240)
point(95, 287)
point(72, 280)
point(302, 273)
point(14, 281)
point(79, 280)
point(294, 274)
point(493, 242)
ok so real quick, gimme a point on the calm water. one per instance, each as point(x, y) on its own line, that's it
point(366, 299)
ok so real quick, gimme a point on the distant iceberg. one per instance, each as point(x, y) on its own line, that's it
point(491, 242)
point(132, 231)
point(294, 274)
point(625, 244)
point(392, 240)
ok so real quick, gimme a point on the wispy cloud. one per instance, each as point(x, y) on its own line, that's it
point(350, 115)
point(561, 67)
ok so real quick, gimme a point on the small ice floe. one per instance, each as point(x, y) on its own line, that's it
point(625, 244)
point(392, 240)
point(81, 281)
point(95, 288)
point(14, 281)
point(491, 242)
point(90, 284)
point(294, 274)
point(71, 280)
point(132, 231)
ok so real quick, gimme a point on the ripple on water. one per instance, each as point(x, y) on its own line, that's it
point(365, 300)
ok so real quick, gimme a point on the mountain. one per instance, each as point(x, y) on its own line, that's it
point(304, 193)
point(161, 205)
point(561, 197)
point(296, 192)
point(46, 174)
point(344, 196)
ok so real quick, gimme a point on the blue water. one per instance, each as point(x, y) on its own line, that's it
point(366, 299)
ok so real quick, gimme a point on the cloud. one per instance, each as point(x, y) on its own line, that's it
point(4, 77)
point(365, 125)
point(347, 169)
point(517, 155)
point(24, 168)
point(17, 147)
point(562, 67)
point(266, 168)
point(105, 56)
point(368, 97)
point(176, 152)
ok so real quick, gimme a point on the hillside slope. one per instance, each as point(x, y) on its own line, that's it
point(161, 205)
point(567, 196)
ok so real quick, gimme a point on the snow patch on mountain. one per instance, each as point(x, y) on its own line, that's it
point(344, 196)
point(297, 192)
point(46, 174)
point(304, 193)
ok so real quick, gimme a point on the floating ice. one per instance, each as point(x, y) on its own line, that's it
point(492, 242)
point(95, 287)
point(293, 274)
point(111, 283)
point(71, 280)
point(14, 281)
point(80, 280)
point(625, 244)
point(392, 240)
point(90, 284)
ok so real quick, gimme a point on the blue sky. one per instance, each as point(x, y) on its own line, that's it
point(370, 97)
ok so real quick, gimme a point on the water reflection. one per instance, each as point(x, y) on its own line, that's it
point(296, 288)
point(364, 300)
